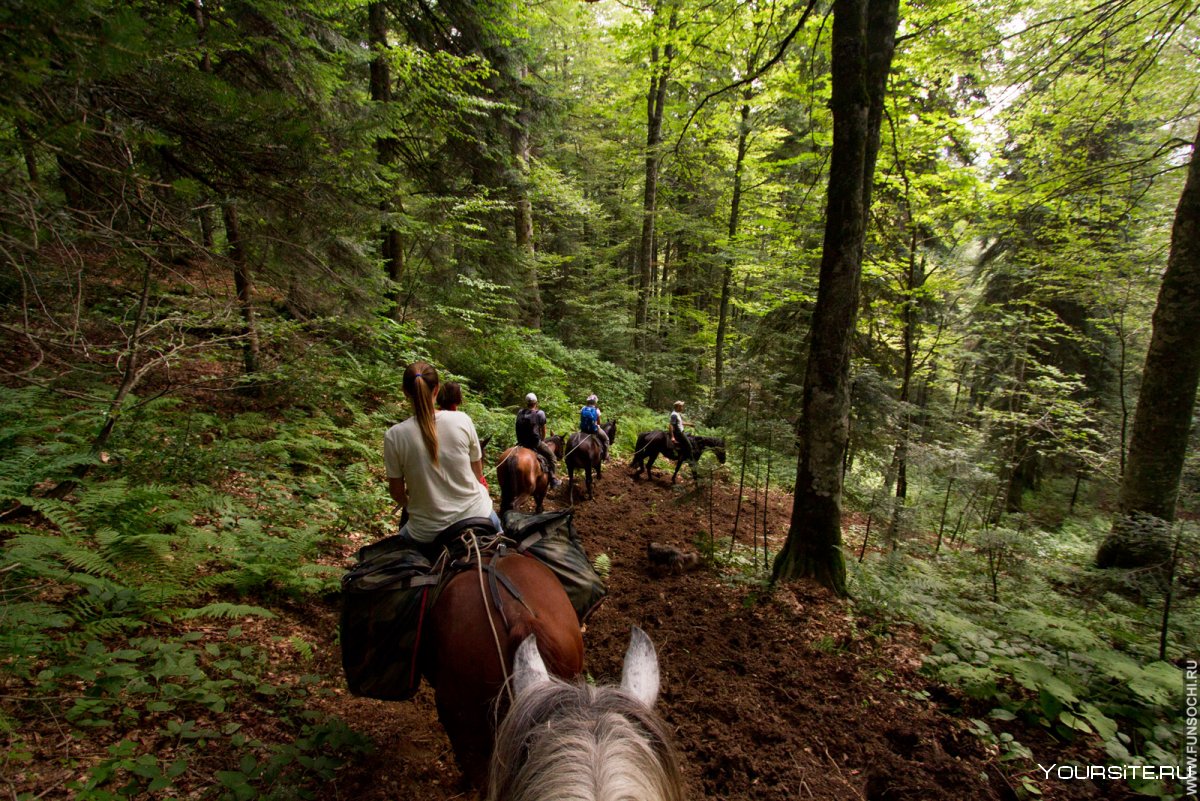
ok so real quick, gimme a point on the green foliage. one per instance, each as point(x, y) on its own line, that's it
point(736, 562)
point(508, 362)
point(1079, 663)
point(126, 132)
point(89, 585)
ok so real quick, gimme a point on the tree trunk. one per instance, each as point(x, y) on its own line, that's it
point(913, 281)
point(391, 248)
point(864, 35)
point(1163, 419)
point(207, 227)
point(243, 282)
point(735, 207)
point(523, 207)
point(656, 98)
point(27, 151)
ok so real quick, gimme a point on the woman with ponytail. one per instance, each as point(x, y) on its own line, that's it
point(434, 463)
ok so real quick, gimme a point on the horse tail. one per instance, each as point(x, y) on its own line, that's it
point(506, 477)
point(639, 453)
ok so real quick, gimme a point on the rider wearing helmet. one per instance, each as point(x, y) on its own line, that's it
point(531, 431)
point(589, 423)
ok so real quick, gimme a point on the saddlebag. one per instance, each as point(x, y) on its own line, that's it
point(551, 538)
point(385, 599)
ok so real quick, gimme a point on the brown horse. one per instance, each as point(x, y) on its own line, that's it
point(583, 453)
point(474, 642)
point(520, 473)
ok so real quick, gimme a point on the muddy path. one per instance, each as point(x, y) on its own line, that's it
point(771, 696)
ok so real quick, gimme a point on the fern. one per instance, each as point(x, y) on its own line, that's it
point(1040, 655)
point(87, 561)
point(302, 646)
point(226, 611)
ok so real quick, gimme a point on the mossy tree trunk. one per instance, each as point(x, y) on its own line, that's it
point(864, 36)
point(1163, 419)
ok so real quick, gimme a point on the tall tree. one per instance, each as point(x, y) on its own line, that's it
point(391, 243)
point(864, 40)
point(1163, 419)
point(662, 53)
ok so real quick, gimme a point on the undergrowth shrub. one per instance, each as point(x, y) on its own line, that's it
point(187, 518)
point(1049, 643)
point(338, 363)
point(507, 362)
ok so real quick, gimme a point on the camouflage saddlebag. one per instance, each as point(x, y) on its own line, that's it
point(551, 538)
point(385, 599)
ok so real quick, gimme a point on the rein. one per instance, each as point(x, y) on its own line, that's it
point(590, 435)
point(494, 581)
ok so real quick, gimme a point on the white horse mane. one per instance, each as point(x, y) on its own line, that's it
point(575, 742)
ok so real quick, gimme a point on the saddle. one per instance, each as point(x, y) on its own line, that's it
point(541, 457)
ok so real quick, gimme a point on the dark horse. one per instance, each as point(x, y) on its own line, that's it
point(583, 453)
point(520, 473)
point(476, 632)
point(563, 740)
point(652, 444)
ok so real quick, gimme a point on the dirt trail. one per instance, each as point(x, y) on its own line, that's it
point(779, 697)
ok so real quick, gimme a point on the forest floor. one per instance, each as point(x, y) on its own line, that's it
point(789, 694)
point(784, 695)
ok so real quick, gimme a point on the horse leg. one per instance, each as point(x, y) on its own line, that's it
point(467, 725)
point(589, 482)
point(675, 475)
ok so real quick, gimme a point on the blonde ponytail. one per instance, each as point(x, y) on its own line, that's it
point(421, 385)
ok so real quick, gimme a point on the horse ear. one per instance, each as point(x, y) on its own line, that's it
point(639, 676)
point(528, 667)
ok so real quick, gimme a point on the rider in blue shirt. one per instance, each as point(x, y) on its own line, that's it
point(589, 423)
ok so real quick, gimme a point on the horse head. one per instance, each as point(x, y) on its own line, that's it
point(716, 444)
point(552, 723)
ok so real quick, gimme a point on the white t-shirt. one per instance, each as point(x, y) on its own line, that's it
point(443, 494)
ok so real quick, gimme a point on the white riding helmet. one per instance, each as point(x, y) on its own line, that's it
point(592, 399)
point(530, 399)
